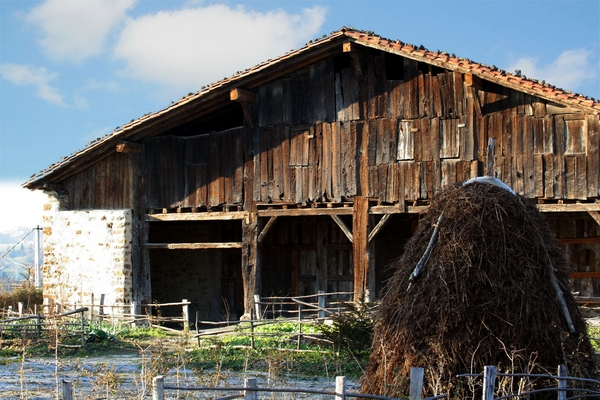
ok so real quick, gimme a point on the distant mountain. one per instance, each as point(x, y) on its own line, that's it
point(17, 253)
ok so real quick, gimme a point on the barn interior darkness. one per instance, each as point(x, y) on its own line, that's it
point(210, 279)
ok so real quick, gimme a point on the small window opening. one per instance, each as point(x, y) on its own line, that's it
point(394, 68)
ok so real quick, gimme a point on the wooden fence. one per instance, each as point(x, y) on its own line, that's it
point(60, 327)
point(251, 391)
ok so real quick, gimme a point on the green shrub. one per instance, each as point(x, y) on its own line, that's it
point(25, 293)
point(352, 331)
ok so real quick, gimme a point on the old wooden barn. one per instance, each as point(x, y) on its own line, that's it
point(308, 172)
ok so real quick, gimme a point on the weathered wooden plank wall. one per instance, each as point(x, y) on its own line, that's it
point(422, 128)
point(107, 184)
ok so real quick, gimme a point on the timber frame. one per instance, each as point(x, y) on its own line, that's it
point(318, 156)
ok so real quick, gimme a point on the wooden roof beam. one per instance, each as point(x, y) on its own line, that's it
point(242, 95)
point(129, 147)
point(473, 81)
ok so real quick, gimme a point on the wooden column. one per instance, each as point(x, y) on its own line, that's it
point(251, 267)
point(250, 263)
point(360, 247)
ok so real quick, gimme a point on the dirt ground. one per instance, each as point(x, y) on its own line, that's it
point(119, 377)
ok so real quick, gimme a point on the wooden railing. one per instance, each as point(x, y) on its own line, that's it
point(251, 390)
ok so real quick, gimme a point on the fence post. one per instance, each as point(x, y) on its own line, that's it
point(416, 383)
point(257, 306)
point(101, 308)
point(321, 303)
point(132, 311)
point(562, 383)
point(340, 388)
point(186, 314)
point(20, 307)
point(158, 388)
point(67, 390)
point(82, 328)
point(250, 394)
point(489, 381)
point(252, 329)
point(299, 326)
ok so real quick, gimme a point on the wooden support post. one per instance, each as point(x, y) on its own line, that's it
point(562, 383)
point(158, 388)
point(250, 264)
point(340, 388)
point(416, 383)
point(360, 247)
point(67, 389)
point(489, 381)
point(250, 394)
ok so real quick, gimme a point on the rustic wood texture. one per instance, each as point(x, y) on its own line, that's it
point(369, 124)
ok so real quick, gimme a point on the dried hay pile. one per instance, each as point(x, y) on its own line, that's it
point(485, 297)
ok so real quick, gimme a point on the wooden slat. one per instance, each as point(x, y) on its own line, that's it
point(559, 161)
point(326, 186)
point(593, 156)
point(336, 168)
point(435, 151)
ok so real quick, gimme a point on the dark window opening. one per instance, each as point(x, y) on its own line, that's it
point(343, 61)
point(394, 68)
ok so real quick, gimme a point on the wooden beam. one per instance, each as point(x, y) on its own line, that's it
point(584, 275)
point(304, 212)
point(379, 226)
point(264, 231)
point(129, 147)
point(194, 246)
point(595, 215)
point(398, 209)
point(578, 240)
point(343, 227)
point(576, 207)
point(473, 81)
point(242, 95)
point(205, 216)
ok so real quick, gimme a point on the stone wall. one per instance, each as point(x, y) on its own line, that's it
point(87, 253)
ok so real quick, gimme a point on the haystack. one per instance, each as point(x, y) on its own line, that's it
point(493, 290)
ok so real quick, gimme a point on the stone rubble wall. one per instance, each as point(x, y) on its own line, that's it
point(86, 254)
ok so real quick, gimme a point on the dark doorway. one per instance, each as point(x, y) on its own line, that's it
point(210, 279)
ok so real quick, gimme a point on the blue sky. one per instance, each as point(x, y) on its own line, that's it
point(71, 70)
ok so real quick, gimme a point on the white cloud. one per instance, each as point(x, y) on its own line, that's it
point(571, 70)
point(188, 48)
point(20, 207)
point(39, 77)
point(74, 30)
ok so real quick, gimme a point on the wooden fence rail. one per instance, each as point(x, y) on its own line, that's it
point(251, 390)
point(490, 375)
